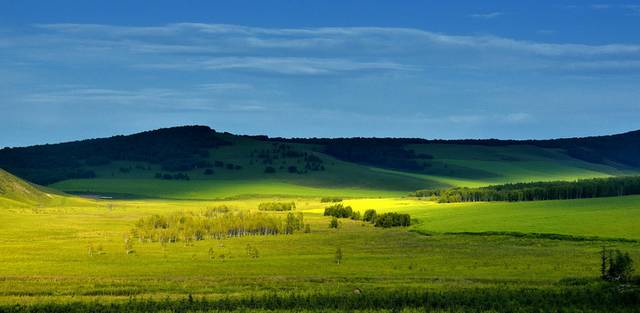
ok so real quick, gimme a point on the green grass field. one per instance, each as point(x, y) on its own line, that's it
point(48, 249)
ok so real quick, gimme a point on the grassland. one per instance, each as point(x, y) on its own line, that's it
point(48, 258)
point(614, 217)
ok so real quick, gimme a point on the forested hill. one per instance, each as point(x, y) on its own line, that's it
point(202, 153)
point(619, 148)
point(170, 147)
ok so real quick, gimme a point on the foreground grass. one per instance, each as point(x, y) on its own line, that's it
point(584, 298)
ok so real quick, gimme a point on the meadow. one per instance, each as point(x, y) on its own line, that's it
point(46, 251)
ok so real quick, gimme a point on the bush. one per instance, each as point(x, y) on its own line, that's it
point(276, 206)
point(369, 216)
point(338, 210)
point(334, 223)
point(392, 219)
point(616, 265)
point(269, 170)
point(208, 171)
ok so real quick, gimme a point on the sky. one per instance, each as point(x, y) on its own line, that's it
point(432, 69)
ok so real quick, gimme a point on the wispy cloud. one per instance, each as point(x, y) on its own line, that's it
point(215, 38)
point(198, 98)
point(487, 16)
point(305, 66)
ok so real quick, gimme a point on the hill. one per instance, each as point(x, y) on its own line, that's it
point(199, 162)
point(17, 192)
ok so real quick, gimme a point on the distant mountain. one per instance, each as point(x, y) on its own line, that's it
point(168, 156)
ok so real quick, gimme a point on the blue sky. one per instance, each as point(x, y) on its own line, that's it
point(432, 69)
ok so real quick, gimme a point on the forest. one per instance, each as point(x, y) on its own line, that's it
point(558, 190)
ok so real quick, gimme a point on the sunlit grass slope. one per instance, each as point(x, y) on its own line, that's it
point(614, 217)
point(215, 189)
point(15, 192)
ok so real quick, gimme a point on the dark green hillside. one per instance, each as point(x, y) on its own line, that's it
point(197, 161)
point(619, 148)
point(174, 149)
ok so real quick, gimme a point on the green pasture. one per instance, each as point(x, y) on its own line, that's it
point(46, 249)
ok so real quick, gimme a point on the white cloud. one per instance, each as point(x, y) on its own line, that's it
point(304, 66)
point(199, 98)
point(487, 16)
point(213, 38)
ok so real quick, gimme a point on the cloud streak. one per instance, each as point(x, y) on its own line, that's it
point(195, 37)
point(487, 16)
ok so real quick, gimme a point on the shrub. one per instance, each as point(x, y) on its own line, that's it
point(334, 223)
point(616, 265)
point(293, 222)
point(369, 216)
point(355, 216)
point(208, 171)
point(252, 251)
point(392, 219)
point(269, 170)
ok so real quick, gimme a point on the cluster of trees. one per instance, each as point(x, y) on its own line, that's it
point(175, 149)
point(391, 219)
point(615, 265)
point(212, 224)
point(368, 151)
point(277, 206)
point(330, 199)
point(229, 166)
point(283, 155)
point(559, 190)
point(339, 211)
point(167, 176)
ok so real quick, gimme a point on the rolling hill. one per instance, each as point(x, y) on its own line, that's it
point(198, 162)
point(17, 192)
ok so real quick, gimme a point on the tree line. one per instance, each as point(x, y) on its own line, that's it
point(277, 206)
point(558, 190)
point(213, 224)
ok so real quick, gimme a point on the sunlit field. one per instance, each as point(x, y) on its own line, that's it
point(55, 263)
